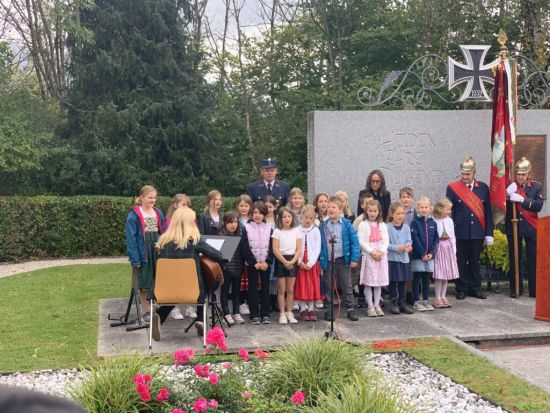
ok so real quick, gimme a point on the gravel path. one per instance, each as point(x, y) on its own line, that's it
point(415, 383)
point(7, 269)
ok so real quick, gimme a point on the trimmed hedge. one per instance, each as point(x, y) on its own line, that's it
point(81, 226)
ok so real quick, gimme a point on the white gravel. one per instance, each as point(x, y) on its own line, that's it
point(415, 383)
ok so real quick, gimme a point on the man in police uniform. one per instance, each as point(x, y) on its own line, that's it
point(527, 196)
point(269, 185)
point(473, 222)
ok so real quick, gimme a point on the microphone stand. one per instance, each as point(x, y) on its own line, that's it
point(331, 334)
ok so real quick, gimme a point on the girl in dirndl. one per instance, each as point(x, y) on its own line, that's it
point(445, 265)
point(307, 289)
point(374, 241)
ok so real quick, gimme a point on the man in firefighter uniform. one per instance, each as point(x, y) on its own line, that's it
point(527, 196)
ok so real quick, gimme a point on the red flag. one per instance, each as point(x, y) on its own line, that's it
point(501, 139)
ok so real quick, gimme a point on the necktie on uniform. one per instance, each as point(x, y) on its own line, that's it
point(269, 186)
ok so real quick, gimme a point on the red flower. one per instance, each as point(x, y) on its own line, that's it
point(298, 397)
point(145, 396)
point(243, 353)
point(163, 395)
point(261, 354)
point(183, 356)
point(142, 388)
point(147, 378)
point(247, 394)
point(213, 403)
point(214, 379)
point(201, 370)
point(200, 405)
point(177, 411)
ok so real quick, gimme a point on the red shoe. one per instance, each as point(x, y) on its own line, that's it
point(312, 315)
point(304, 316)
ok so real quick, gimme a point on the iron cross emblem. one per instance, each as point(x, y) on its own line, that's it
point(474, 72)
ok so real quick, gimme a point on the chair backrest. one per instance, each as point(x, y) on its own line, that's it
point(176, 281)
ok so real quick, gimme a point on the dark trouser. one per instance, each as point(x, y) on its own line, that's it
point(262, 308)
point(531, 251)
point(233, 282)
point(397, 291)
point(423, 277)
point(342, 278)
point(467, 256)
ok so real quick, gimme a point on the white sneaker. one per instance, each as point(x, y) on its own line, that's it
point(282, 318)
point(428, 306)
point(243, 309)
point(191, 312)
point(319, 304)
point(295, 307)
point(419, 306)
point(291, 318)
point(229, 319)
point(238, 319)
point(176, 314)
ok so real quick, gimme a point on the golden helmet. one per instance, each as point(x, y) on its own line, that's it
point(468, 165)
point(523, 166)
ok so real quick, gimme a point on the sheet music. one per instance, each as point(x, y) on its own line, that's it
point(215, 243)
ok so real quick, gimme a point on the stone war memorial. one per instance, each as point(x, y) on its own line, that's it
point(418, 148)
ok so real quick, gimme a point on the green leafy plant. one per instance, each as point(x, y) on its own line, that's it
point(357, 396)
point(496, 255)
point(313, 366)
point(108, 385)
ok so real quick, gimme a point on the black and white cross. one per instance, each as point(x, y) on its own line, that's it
point(474, 72)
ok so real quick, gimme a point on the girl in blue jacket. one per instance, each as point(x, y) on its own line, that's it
point(424, 242)
point(144, 224)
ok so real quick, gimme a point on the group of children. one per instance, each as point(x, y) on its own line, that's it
point(289, 257)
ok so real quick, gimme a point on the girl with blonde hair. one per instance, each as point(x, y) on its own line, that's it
point(183, 240)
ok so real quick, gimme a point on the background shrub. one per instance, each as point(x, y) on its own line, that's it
point(79, 226)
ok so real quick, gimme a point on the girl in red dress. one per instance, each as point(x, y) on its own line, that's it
point(307, 289)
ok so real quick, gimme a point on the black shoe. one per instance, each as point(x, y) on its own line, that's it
point(460, 295)
point(477, 294)
point(255, 321)
point(409, 298)
point(405, 308)
point(513, 295)
point(155, 326)
point(147, 317)
point(361, 302)
point(352, 316)
point(394, 308)
point(199, 326)
point(328, 316)
point(266, 320)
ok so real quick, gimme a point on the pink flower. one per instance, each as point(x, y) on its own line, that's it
point(138, 379)
point(216, 337)
point(183, 356)
point(213, 403)
point(261, 354)
point(243, 353)
point(226, 365)
point(145, 396)
point(163, 395)
point(142, 388)
point(177, 411)
point(247, 394)
point(214, 379)
point(200, 405)
point(298, 397)
point(201, 370)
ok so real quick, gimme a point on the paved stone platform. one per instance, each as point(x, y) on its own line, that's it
point(469, 320)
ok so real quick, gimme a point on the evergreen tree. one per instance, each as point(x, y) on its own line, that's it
point(138, 105)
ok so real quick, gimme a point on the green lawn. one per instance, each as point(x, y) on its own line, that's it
point(50, 317)
point(480, 375)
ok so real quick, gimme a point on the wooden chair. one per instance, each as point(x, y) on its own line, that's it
point(176, 282)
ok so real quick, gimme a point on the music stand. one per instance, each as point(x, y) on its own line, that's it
point(125, 319)
point(227, 245)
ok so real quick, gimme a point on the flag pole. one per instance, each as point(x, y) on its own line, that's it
point(503, 55)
